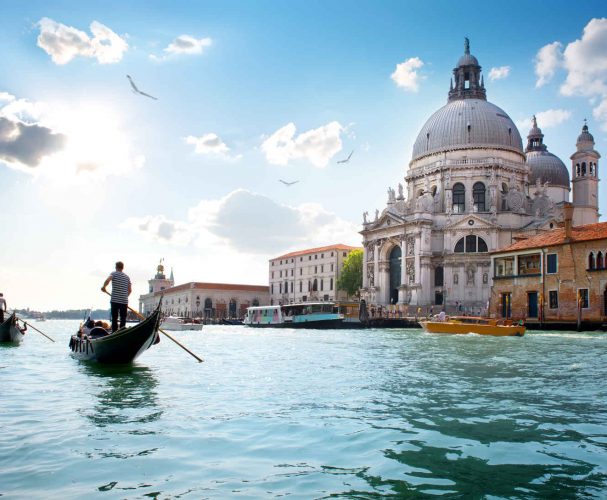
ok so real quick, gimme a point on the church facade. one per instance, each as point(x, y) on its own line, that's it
point(470, 189)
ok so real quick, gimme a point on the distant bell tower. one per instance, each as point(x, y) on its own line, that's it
point(160, 281)
point(585, 175)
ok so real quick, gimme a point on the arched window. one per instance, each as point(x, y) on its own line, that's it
point(478, 193)
point(315, 285)
point(471, 244)
point(600, 263)
point(583, 168)
point(591, 262)
point(504, 196)
point(459, 198)
point(577, 169)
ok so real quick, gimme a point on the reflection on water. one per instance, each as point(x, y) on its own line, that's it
point(127, 395)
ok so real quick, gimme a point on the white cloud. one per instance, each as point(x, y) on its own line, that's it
point(210, 144)
point(64, 43)
point(317, 146)
point(546, 119)
point(499, 73)
point(66, 143)
point(250, 223)
point(6, 97)
point(406, 76)
point(184, 44)
point(547, 61)
point(585, 61)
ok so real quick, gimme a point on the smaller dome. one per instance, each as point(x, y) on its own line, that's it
point(467, 60)
point(547, 167)
point(585, 136)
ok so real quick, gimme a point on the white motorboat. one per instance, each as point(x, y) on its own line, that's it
point(179, 324)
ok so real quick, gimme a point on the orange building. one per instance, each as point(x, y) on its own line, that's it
point(556, 278)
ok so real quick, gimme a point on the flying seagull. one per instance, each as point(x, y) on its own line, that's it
point(347, 159)
point(287, 183)
point(137, 91)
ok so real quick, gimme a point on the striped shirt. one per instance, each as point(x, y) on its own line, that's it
point(120, 287)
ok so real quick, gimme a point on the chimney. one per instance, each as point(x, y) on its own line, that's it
point(568, 217)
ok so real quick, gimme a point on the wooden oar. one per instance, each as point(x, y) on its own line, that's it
point(200, 360)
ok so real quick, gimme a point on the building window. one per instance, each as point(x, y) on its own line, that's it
point(309, 286)
point(438, 276)
point(582, 298)
point(309, 257)
point(478, 193)
point(322, 282)
point(322, 268)
point(504, 267)
point(291, 287)
point(272, 263)
point(300, 271)
point(281, 274)
point(471, 244)
point(331, 254)
point(291, 272)
point(553, 299)
point(591, 261)
point(506, 304)
point(322, 255)
point(331, 267)
point(331, 284)
point(281, 262)
point(551, 263)
point(315, 285)
point(600, 261)
point(316, 257)
point(315, 269)
point(459, 198)
point(272, 288)
point(345, 253)
point(529, 264)
point(301, 259)
point(280, 288)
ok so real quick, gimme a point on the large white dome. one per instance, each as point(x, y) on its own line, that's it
point(467, 124)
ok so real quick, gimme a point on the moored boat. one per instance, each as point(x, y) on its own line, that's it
point(122, 346)
point(305, 315)
point(480, 326)
point(179, 324)
point(10, 331)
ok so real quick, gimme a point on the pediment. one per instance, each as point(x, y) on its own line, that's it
point(386, 220)
point(472, 221)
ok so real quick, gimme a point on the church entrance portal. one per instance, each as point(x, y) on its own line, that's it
point(395, 273)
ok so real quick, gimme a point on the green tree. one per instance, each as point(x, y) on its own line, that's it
point(351, 279)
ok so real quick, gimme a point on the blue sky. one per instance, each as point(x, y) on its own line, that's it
point(248, 93)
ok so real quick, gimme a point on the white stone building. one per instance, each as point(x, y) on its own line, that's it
point(201, 300)
point(308, 275)
point(470, 189)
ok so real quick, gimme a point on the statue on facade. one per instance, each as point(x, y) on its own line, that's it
point(365, 214)
point(371, 276)
point(470, 273)
point(376, 214)
point(391, 195)
point(401, 196)
point(411, 271)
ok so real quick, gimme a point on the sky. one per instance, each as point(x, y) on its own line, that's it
point(247, 94)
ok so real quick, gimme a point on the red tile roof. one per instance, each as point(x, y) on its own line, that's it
point(339, 246)
point(216, 286)
point(589, 232)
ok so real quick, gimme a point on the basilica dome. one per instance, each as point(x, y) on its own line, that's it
point(468, 120)
point(466, 124)
point(543, 165)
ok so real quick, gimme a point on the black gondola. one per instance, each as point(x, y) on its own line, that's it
point(123, 346)
point(10, 332)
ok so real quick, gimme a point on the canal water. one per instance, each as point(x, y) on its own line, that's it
point(308, 414)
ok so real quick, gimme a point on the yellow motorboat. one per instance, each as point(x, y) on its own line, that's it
point(480, 326)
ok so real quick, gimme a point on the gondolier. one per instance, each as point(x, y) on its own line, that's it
point(121, 289)
point(2, 307)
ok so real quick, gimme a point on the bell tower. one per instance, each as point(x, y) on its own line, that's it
point(160, 281)
point(585, 175)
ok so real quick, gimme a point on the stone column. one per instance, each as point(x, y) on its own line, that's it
point(376, 262)
point(365, 276)
point(403, 261)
